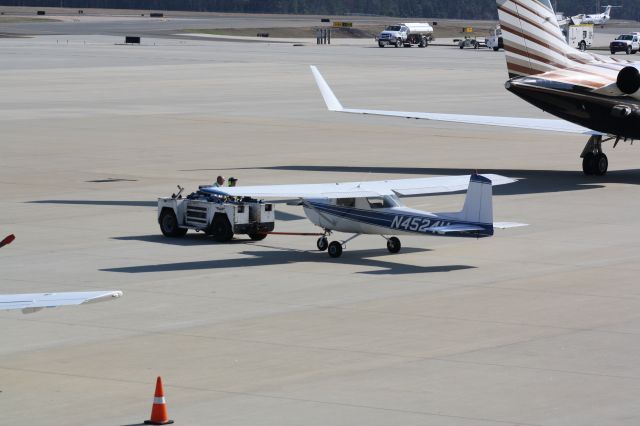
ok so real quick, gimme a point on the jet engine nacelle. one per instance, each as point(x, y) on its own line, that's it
point(628, 80)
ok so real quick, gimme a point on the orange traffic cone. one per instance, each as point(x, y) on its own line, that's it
point(159, 414)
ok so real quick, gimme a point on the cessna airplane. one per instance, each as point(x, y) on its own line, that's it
point(375, 208)
point(595, 19)
point(33, 302)
point(594, 95)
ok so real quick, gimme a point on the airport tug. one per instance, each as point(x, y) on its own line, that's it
point(219, 216)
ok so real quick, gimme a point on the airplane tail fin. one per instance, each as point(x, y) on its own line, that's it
point(477, 211)
point(533, 40)
point(478, 205)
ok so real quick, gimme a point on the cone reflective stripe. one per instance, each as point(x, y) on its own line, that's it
point(159, 414)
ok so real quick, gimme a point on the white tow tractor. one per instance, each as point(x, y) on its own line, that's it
point(220, 217)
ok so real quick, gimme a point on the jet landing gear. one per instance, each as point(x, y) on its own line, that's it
point(594, 161)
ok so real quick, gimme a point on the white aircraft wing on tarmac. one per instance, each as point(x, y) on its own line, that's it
point(33, 302)
point(398, 187)
point(553, 125)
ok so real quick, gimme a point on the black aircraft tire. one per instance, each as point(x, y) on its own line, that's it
point(322, 243)
point(588, 162)
point(335, 249)
point(169, 225)
point(393, 245)
point(600, 165)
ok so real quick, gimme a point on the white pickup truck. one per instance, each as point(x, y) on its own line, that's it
point(220, 217)
point(627, 43)
point(412, 33)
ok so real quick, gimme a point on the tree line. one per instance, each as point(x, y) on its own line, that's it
point(452, 9)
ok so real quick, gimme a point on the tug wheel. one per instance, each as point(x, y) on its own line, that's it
point(169, 225)
point(221, 229)
point(258, 236)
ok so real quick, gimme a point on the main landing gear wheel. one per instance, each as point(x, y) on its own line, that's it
point(594, 161)
point(322, 243)
point(393, 245)
point(595, 164)
point(335, 249)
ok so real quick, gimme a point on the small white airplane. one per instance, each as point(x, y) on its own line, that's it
point(595, 19)
point(375, 207)
point(34, 302)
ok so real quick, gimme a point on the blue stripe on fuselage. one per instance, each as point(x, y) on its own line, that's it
point(400, 221)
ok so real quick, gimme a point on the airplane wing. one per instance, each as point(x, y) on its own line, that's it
point(399, 187)
point(553, 125)
point(33, 302)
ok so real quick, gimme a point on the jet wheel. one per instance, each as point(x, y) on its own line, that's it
point(587, 163)
point(393, 245)
point(335, 249)
point(600, 164)
point(595, 164)
point(322, 243)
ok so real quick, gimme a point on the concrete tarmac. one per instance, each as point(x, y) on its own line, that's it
point(535, 326)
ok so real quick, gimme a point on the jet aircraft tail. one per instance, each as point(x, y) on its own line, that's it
point(533, 40)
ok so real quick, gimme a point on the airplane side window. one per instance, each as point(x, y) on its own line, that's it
point(346, 202)
point(376, 202)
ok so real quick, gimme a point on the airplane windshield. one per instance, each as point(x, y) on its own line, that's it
point(393, 28)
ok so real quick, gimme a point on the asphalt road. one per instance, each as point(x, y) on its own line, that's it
point(535, 326)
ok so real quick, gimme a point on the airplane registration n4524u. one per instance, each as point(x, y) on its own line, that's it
point(375, 207)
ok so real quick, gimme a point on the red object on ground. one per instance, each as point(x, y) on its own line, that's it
point(7, 240)
point(302, 234)
point(159, 414)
